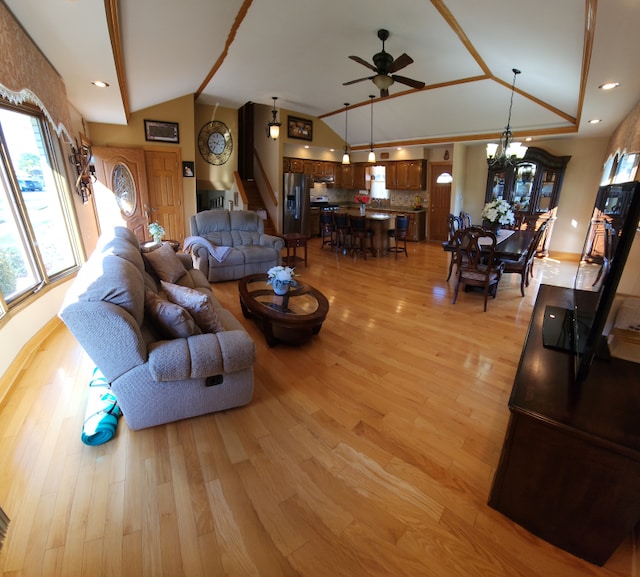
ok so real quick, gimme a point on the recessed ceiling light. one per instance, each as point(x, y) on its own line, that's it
point(100, 84)
point(595, 120)
point(528, 139)
point(609, 85)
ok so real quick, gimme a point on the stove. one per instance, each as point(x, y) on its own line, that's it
point(321, 202)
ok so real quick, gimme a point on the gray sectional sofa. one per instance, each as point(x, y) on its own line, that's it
point(156, 377)
point(228, 245)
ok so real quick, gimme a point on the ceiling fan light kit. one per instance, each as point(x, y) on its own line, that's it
point(507, 152)
point(384, 65)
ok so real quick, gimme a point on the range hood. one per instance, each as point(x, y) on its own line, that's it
point(327, 179)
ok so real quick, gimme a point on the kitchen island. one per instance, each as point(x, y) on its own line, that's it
point(417, 231)
point(379, 222)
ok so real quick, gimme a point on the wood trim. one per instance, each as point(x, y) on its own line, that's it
point(232, 34)
point(267, 182)
point(24, 357)
point(240, 187)
point(113, 23)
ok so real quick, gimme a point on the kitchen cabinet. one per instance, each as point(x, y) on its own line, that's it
point(359, 176)
point(347, 176)
point(411, 175)
point(390, 175)
point(532, 186)
point(293, 165)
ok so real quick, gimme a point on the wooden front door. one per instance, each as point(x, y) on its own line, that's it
point(122, 171)
point(439, 202)
point(164, 177)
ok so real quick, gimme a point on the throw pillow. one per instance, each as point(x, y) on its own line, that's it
point(171, 319)
point(200, 305)
point(165, 263)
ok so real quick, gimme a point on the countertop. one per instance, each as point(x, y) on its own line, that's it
point(372, 206)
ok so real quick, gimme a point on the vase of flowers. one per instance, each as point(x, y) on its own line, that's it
point(281, 278)
point(156, 231)
point(363, 200)
point(496, 214)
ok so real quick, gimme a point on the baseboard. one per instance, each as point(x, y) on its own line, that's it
point(565, 256)
point(24, 357)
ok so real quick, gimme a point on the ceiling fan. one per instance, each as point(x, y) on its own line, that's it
point(384, 66)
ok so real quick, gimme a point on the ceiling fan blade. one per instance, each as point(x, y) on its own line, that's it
point(408, 81)
point(363, 62)
point(400, 62)
point(358, 80)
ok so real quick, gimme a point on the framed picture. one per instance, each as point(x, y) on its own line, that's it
point(188, 168)
point(299, 128)
point(160, 131)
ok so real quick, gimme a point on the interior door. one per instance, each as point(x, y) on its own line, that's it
point(439, 202)
point(122, 171)
point(164, 177)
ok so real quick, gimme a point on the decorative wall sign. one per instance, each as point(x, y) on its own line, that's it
point(300, 128)
point(158, 130)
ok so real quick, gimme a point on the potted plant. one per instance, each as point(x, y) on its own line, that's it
point(497, 213)
point(281, 278)
point(156, 231)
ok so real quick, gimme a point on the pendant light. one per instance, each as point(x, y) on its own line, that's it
point(372, 154)
point(506, 152)
point(273, 128)
point(345, 156)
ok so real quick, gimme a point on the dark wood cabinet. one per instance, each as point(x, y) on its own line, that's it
point(294, 165)
point(532, 186)
point(569, 471)
point(390, 175)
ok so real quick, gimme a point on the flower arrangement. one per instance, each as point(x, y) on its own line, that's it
point(156, 231)
point(281, 274)
point(498, 212)
point(362, 198)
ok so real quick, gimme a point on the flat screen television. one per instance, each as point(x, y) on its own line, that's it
point(613, 226)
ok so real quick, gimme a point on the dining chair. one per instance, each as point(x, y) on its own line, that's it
point(327, 230)
point(475, 248)
point(465, 219)
point(343, 240)
point(399, 235)
point(360, 236)
point(524, 265)
point(455, 224)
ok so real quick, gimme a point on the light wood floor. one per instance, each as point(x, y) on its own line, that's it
point(368, 452)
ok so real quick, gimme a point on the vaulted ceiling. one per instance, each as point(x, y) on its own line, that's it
point(234, 51)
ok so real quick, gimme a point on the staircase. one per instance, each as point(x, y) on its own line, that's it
point(254, 202)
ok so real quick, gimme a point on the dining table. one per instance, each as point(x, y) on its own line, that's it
point(512, 244)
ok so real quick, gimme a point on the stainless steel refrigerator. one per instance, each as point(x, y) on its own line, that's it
point(296, 216)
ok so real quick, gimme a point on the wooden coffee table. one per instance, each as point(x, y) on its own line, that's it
point(293, 318)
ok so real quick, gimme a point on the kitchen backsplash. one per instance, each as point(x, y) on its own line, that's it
point(400, 198)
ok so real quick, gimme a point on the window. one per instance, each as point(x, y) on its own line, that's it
point(36, 237)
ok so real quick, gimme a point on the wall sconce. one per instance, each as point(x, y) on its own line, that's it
point(273, 128)
point(81, 160)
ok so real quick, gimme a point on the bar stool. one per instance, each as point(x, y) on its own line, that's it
point(343, 239)
point(359, 236)
point(327, 230)
point(399, 234)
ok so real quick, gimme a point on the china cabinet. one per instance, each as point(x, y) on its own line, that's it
point(532, 186)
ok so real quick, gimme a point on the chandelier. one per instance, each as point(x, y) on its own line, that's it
point(507, 152)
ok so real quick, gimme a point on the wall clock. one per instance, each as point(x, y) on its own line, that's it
point(215, 142)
